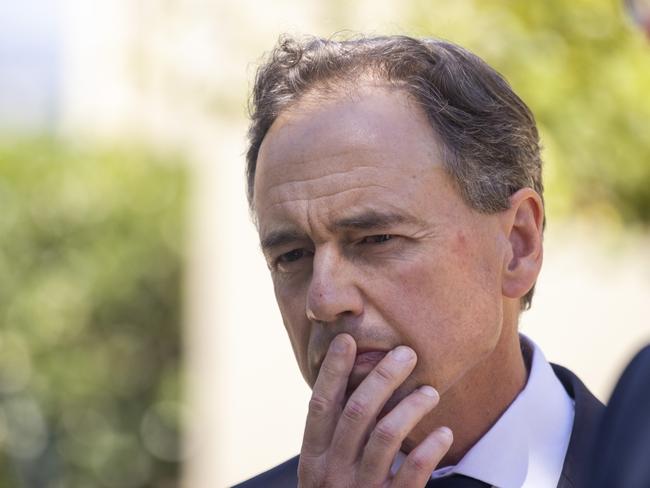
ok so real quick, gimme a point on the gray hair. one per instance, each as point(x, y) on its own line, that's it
point(489, 136)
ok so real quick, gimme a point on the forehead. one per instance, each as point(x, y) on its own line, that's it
point(371, 146)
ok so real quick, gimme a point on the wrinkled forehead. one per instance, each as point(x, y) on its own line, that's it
point(373, 127)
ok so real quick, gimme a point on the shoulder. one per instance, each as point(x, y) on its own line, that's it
point(621, 450)
point(586, 403)
point(282, 476)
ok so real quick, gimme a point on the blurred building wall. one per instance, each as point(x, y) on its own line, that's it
point(176, 73)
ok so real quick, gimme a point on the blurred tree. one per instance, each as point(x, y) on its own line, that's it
point(585, 73)
point(90, 288)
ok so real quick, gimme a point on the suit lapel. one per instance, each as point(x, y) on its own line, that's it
point(588, 411)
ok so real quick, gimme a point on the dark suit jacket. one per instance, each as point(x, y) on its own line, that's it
point(622, 449)
point(587, 418)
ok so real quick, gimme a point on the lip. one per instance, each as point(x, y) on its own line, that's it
point(364, 355)
point(365, 361)
point(369, 356)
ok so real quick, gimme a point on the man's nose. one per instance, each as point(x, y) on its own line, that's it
point(333, 291)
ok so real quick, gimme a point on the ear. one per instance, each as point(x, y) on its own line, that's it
point(523, 226)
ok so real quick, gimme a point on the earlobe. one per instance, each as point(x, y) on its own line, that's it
point(523, 224)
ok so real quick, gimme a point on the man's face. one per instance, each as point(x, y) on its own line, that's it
point(365, 233)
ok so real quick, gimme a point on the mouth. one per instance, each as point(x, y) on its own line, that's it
point(369, 357)
point(365, 361)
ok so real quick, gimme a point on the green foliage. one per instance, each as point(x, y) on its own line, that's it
point(90, 270)
point(585, 72)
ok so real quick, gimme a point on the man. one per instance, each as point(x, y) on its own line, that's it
point(396, 186)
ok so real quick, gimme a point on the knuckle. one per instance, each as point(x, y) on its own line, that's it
point(354, 410)
point(313, 474)
point(306, 474)
point(330, 370)
point(385, 433)
point(384, 374)
point(319, 404)
point(308, 480)
point(417, 462)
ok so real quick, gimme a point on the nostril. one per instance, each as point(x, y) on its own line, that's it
point(310, 315)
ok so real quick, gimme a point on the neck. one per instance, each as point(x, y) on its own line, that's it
point(471, 407)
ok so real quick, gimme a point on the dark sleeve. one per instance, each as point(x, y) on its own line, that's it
point(284, 475)
point(622, 451)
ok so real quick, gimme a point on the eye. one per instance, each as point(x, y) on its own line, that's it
point(377, 239)
point(292, 261)
point(291, 256)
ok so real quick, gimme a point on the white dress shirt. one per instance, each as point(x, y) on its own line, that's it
point(527, 445)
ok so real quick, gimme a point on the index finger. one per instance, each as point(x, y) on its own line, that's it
point(328, 394)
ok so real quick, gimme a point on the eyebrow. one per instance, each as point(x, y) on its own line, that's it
point(372, 219)
point(367, 220)
point(280, 237)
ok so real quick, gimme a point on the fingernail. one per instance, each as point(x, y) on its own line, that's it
point(446, 432)
point(429, 391)
point(339, 344)
point(402, 353)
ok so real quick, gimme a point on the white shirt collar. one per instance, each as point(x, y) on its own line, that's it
point(526, 447)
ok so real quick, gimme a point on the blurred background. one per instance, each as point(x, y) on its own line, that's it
point(140, 345)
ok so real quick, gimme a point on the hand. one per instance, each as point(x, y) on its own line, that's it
point(344, 445)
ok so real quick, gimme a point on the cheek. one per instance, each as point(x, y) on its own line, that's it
point(448, 308)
